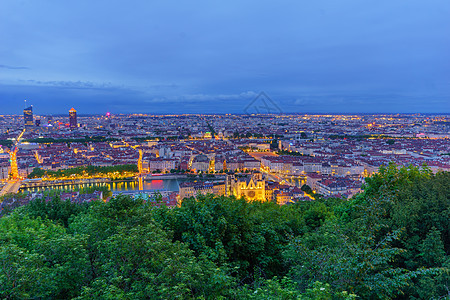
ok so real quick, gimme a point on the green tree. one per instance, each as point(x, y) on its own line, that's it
point(55, 209)
point(143, 263)
point(412, 201)
point(233, 232)
point(39, 259)
point(432, 249)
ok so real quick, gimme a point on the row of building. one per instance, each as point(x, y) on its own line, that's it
point(253, 187)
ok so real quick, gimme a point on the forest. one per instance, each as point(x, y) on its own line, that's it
point(390, 242)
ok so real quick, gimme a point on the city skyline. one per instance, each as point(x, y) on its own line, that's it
point(224, 149)
point(64, 113)
point(105, 113)
point(161, 58)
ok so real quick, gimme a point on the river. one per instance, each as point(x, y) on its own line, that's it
point(117, 186)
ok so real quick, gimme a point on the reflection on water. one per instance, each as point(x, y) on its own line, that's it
point(141, 183)
point(128, 185)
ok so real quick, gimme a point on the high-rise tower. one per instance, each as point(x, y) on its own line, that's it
point(28, 116)
point(73, 119)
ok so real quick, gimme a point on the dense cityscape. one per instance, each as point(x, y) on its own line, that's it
point(212, 150)
point(224, 206)
point(279, 158)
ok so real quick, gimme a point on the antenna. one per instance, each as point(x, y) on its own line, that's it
point(25, 104)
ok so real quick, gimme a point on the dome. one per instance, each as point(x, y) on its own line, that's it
point(201, 158)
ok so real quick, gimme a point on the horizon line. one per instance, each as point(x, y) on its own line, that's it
point(242, 114)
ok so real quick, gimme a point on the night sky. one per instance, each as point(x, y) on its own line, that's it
point(343, 56)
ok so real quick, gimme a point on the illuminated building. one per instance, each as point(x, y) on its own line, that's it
point(28, 116)
point(161, 164)
point(252, 188)
point(108, 121)
point(192, 189)
point(73, 118)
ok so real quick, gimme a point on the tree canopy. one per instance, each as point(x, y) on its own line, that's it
point(84, 171)
point(389, 242)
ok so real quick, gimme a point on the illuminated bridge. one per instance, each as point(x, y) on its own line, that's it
point(12, 186)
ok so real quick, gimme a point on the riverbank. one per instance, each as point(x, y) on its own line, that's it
point(166, 182)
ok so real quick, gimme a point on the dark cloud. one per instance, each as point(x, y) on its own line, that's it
point(13, 67)
point(73, 84)
point(201, 56)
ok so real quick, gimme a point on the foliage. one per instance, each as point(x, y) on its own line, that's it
point(285, 289)
point(55, 209)
point(291, 153)
point(390, 142)
point(391, 241)
point(274, 144)
point(233, 232)
point(134, 258)
point(84, 170)
point(7, 143)
point(307, 189)
point(38, 259)
point(12, 195)
point(142, 262)
point(359, 137)
point(146, 138)
point(93, 139)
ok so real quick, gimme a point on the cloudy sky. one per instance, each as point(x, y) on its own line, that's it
point(333, 56)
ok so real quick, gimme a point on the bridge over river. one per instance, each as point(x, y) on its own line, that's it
point(147, 183)
point(12, 186)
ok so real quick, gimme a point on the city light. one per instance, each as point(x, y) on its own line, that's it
point(285, 148)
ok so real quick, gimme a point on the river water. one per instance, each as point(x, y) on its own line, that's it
point(117, 186)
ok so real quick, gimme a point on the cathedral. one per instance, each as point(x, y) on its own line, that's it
point(251, 187)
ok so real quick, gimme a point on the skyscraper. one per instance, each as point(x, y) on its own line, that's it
point(73, 118)
point(28, 116)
